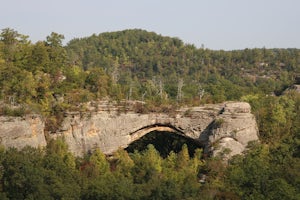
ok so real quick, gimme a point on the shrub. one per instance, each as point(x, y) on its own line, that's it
point(13, 111)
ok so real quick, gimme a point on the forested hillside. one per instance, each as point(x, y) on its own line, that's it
point(136, 65)
point(49, 78)
point(143, 61)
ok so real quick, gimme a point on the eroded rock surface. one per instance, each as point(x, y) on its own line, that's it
point(220, 128)
point(232, 130)
point(19, 132)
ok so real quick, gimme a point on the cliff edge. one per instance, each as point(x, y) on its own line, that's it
point(222, 129)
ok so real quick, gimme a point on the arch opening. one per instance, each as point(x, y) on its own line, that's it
point(164, 142)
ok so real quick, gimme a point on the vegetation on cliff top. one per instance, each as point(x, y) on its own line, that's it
point(134, 64)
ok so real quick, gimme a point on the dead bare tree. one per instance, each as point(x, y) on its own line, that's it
point(179, 89)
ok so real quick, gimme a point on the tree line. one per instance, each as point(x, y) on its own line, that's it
point(136, 65)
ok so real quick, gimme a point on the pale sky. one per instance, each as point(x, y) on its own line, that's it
point(218, 24)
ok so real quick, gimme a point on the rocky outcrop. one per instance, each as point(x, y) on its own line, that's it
point(293, 88)
point(232, 130)
point(112, 130)
point(219, 128)
point(19, 132)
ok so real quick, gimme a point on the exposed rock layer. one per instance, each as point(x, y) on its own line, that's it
point(229, 126)
point(19, 132)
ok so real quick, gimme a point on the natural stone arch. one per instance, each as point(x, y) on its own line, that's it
point(164, 137)
point(230, 124)
point(110, 130)
point(136, 135)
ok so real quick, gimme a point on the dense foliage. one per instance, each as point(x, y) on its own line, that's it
point(137, 65)
point(49, 78)
point(54, 173)
point(145, 62)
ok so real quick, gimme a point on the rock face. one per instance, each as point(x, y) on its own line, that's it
point(19, 132)
point(232, 130)
point(112, 130)
point(219, 128)
point(293, 88)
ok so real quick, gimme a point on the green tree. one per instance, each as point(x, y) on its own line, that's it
point(256, 176)
point(24, 175)
point(57, 55)
point(183, 158)
point(124, 164)
point(62, 176)
point(10, 39)
point(17, 83)
point(99, 163)
point(39, 59)
point(147, 165)
point(97, 81)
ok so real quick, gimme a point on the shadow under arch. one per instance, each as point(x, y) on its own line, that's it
point(155, 127)
point(165, 138)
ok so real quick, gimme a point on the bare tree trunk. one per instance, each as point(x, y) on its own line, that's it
point(201, 92)
point(179, 89)
point(161, 89)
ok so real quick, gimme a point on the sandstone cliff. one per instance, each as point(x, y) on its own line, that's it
point(19, 132)
point(219, 128)
point(232, 130)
